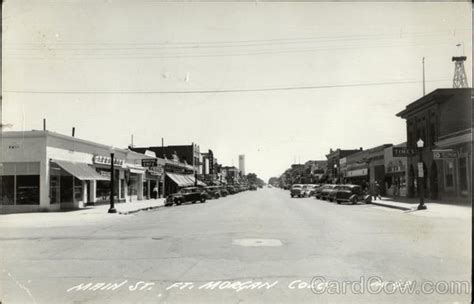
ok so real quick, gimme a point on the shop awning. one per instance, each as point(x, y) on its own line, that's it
point(184, 180)
point(80, 170)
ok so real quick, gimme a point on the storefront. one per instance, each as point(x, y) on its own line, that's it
point(453, 160)
point(357, 174)
point(396, 174)
point(47, 171)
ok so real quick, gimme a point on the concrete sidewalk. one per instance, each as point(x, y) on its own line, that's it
point(434, 208)
point(127, 208)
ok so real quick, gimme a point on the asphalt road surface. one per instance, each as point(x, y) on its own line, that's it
point(252, 247)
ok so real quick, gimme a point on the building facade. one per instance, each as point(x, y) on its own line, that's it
point(47, 171)
point(443, 121)
point(396, 174)
point(333, 163)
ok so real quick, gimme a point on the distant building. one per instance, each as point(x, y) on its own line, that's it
point(242, 164)
point(333, 162)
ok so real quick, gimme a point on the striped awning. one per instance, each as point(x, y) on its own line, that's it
point(184, 180)
point(80, 170)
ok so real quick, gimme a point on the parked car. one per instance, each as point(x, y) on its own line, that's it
point(332, 194)
point(317, 191)
point(309, 190)
point(223, 191)
point(213, 191)
point(326, 190)
point(187, 194)
point(253, 187)
point(352, 194)
point(296, 190)
point(231, 189)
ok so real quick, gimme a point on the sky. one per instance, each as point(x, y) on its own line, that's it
point(278, 82)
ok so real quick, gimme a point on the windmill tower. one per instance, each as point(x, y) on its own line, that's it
point(460, 79)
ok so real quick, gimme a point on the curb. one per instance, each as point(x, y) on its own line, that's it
point(391, 206)
point(138, 210)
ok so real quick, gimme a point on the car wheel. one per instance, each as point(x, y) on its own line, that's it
point(292, 195)
point(331, 200)
point(338, 202)
point(354, 201)
point(203, 200)
point(178, 202)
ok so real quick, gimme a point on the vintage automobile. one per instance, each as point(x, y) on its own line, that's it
point(231, 189)
point(223, 191)
point(317, 191)
point(309, 190)
point(326, 190)
point(352, 194)
point(212, 191)
point(253, 187)
point(332, 194)
point(296, 190)
point(187, 194)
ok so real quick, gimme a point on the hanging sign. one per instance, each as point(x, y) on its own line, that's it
point(403, 152)
point(149, 162)
point(445, 154)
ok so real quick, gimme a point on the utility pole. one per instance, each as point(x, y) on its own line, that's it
point(423, 62)
point(164, 171)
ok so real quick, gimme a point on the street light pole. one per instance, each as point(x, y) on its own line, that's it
point(112, 184)
point(421, 173)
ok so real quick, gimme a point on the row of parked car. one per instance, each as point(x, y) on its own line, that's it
point(332, 192)
point(201, 194)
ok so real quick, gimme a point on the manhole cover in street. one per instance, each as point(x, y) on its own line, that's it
point(257, 242)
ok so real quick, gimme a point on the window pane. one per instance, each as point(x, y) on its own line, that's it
point(463, 173)
point(27, 189)
point(77, 189)
point(66, 189)
point(7, 189)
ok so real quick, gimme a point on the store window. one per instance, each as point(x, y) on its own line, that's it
point(449, 174)
point(463, 175)
point(133, 185)
point(54, 189)
point(27, 189)
point(78, 189)
point(7, 190)
point(66, 190)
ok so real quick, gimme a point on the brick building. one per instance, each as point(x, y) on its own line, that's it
point(443, 120)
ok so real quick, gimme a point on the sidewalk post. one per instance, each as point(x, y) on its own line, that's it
point(421, 185)
point(112, 184)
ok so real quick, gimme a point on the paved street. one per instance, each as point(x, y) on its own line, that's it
point(251, 237)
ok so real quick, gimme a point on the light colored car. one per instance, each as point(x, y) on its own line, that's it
point(309, 190)
point(296, 190)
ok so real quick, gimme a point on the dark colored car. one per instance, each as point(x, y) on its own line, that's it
point(213, 191)
point(231, 189)
point(352, 194)
point(253, 187)
point(223, 191)
point(332, 194)
point(317, 191)
point(326, 190)
point(188, 194)
point(296, 190)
